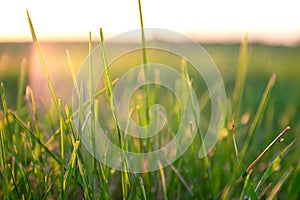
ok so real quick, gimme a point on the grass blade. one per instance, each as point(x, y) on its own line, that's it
point(259, 114)
point(21, 85)
point(4, 103)
point(86, 187)
point(145, 60)
point(245, 186)
point(163, 180)
point(3, 98)
point(250, 167)
point(36, 138)
point(44, 66)
point(279, 137)
point(70, 168)
point(233, 138)
point(72, 70)
point(277, 187)
point(274, 164)
point(125, 176)
point(294, 192)
point(248, 143)
point(32, 105)
point(49, 188)
point(199, 130)
point(240, 77)
point(25, 176)
point(4, 167)
point(143, 187)
point(190, 190)
point(62, 151)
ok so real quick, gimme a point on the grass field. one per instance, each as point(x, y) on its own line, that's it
point(31, 165)
point(42, 156)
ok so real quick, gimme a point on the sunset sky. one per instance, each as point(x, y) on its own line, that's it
point(210, 20)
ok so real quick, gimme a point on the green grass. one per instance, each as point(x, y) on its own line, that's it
point(41, 155)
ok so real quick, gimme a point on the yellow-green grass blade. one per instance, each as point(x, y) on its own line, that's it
point(163, 180)
point(240, 77)
point(124, 177)
point(70, 168)
point(4, 167)
point(145, 60)
point(43, 63)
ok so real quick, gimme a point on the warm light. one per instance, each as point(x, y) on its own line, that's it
point(270, 21)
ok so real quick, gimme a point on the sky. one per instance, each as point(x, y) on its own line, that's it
point(276, 22)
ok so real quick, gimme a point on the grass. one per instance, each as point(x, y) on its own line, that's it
point(43, 158)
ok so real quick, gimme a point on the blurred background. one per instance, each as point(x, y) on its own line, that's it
point(273, 30)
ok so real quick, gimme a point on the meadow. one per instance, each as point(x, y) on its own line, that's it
point(42, 156)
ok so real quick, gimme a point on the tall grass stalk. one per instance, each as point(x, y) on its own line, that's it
point(199, 130)
point(31, 101)
point(125, 176)
point(62, 151)
point(4, 103)
point(20, 97)
point(251, 134)
point(21, 85)
point(240, 77)
point(91, 115)
point(72, 70)
point(43, 63)
point(258, 115)
point(4, 167)
point(236, 150)
point(145, 60)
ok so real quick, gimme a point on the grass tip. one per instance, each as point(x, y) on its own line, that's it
point(101, 35)
point(28, 89)
point(273, 78)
